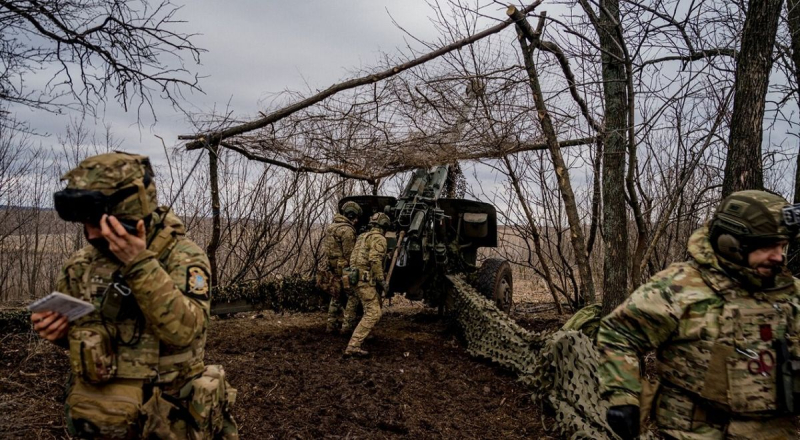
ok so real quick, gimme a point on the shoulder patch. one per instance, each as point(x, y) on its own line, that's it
point(197, 281)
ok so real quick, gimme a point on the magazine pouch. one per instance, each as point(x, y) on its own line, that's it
point(349, 277)
point(109, 411)
point(211, 397)
point(91, 353)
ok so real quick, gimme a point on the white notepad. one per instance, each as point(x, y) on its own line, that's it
point(72, 308)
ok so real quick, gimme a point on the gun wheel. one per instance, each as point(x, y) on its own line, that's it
point(494, 281)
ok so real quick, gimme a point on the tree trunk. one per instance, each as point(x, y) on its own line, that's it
point(743, 168)
point(615, 224)
point(211, 250)
point(562, 174)
point(596, 197)
point(793, 20)
point(794, 247)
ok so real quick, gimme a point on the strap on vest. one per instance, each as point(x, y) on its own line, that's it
point(176, 358)
point(142, 192)
point(162, 241)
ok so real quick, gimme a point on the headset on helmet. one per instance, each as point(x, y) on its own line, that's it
point(747, 220)
point(381, 220)
point(351, 210)
point(118, 184)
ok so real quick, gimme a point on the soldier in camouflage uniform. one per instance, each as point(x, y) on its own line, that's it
point(137, 360)
point(366, 263)
point(340, 237)
point(726, 329)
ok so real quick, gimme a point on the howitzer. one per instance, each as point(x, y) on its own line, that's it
point(434, 236)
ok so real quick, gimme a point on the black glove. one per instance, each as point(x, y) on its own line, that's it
point(624, 420)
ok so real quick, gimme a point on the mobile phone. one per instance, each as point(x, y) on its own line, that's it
point(129, 225)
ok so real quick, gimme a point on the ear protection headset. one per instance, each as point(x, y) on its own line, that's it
point(744, 222)
point(730, 248)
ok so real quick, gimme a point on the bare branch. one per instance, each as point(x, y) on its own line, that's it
point(350, 84)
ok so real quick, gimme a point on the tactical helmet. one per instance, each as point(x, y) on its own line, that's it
point(381, 220)
point(747, 220)
point(118, 184)
point(351, 210)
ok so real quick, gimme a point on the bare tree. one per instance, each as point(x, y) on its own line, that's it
point(129, 49)
point(535, 235)
point(618, 99)
point(620, 81)
point(565, 186)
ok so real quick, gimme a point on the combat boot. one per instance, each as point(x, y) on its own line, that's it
point(351, 351)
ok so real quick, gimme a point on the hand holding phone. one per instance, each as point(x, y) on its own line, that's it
point(124, 243)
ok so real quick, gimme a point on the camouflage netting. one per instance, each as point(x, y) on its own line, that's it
point(490, 333)
point(291, 294)
point(561, 368)
point(565, 378)
point(15, 321)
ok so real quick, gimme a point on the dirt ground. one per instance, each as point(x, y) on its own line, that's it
point(293, 382)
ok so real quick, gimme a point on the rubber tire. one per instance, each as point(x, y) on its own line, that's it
point(495, 282)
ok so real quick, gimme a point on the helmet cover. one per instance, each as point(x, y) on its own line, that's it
point(351, 209)
point(121, 184)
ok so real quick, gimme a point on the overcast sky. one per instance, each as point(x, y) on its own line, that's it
point(256, 49)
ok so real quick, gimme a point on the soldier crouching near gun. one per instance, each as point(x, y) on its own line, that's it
point(340, 237)
point(137, 360)
point(726, 327)
point(365, 276)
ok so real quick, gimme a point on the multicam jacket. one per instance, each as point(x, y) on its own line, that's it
point(369, 253)
point(161, 336)
point(340, 237)
point(707, 330)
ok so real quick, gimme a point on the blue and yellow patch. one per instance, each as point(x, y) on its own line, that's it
point(197, 282)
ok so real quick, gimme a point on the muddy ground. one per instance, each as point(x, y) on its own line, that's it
point(294, 383)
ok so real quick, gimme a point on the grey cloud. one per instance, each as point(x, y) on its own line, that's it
point(257, 49)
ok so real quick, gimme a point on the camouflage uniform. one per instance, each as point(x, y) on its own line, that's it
point(338, 243)
point(706, 327)
point(368, 257)
point(137, 360)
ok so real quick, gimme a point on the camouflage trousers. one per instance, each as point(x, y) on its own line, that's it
point(679, 416)
point(350, 311)
point(372, 313)
point(122, 410)
point(336, 310)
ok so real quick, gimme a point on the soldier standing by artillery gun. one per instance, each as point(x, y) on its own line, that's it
point(726, 327)
point(365, 276)
point(340, 237)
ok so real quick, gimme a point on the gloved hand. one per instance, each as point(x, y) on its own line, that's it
point(624, 420)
